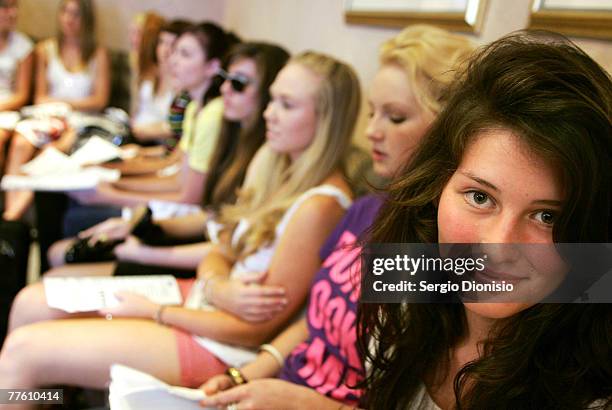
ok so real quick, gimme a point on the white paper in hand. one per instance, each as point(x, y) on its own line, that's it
point(9, 119)
point(96, 151)
point(131, 389)
point(88, 294)
point(87, 178)
point(50, 161)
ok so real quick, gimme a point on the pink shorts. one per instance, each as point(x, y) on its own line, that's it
point(197, 364)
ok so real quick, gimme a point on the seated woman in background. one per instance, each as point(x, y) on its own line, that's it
point(153, 90)
point(406, 95)
point(196, 61)
point(512, 159)
point(293, 196)
point(251, 69)
point(70, 69)
point(16, 62)
point(73, 68)
point(156, 103)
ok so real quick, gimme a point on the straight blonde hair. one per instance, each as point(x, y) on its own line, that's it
point(278, 181)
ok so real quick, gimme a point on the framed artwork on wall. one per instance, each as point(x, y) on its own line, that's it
point(455, 15)
point(581, 18)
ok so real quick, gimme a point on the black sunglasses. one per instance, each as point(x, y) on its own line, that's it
point(238, 81)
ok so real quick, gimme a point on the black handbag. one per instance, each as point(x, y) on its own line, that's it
point(84, 251)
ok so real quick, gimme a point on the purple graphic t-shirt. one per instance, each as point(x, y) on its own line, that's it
point(328, 360)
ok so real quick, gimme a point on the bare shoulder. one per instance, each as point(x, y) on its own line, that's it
point(323, 207)
point(42, 47)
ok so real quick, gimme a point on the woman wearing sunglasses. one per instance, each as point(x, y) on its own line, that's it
point(294, 194)
point(179, 243)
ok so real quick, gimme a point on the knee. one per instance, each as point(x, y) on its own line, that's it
point(16, 370)
point(19, 143)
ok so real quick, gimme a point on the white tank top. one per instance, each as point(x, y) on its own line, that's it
point(67, 85)
point(17, 48)
point(152, 108)
point(259, 261)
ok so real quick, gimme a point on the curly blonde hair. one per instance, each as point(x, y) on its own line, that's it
point(430, 57)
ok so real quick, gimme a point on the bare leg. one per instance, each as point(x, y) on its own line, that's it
point(80, 351)
point(20, 152)
point(30, 304)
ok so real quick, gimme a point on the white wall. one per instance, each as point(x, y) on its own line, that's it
point(295, 24)
point(320, 25)
point(38, 17)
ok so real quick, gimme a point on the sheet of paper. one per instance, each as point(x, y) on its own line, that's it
point(86, 294)
point(8, 119)
point(131, 389)
point(50, 161)
point(96, 151)
point(87, 178)
point(46, 110)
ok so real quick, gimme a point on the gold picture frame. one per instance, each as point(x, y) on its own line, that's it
point(579, 18)
point(460, 15)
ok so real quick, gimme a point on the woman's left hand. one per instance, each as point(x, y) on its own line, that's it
point(132, 305)
point(269, 394)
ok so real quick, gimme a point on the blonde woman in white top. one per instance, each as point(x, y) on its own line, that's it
point(71, 69)
point(16, 64)
point(294, 194)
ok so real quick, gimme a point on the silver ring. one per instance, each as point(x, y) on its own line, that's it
point(109, 316)
point(233, 406)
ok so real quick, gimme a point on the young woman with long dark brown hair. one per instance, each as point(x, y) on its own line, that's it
point(512, 159)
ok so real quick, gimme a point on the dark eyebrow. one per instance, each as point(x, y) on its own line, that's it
point(479, 180)
point(548, 202)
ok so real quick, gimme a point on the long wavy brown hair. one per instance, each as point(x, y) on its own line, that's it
point(559, 102)
point(87, 39)
point(237, 145)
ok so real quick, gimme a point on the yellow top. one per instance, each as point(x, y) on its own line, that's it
point(199, 141)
